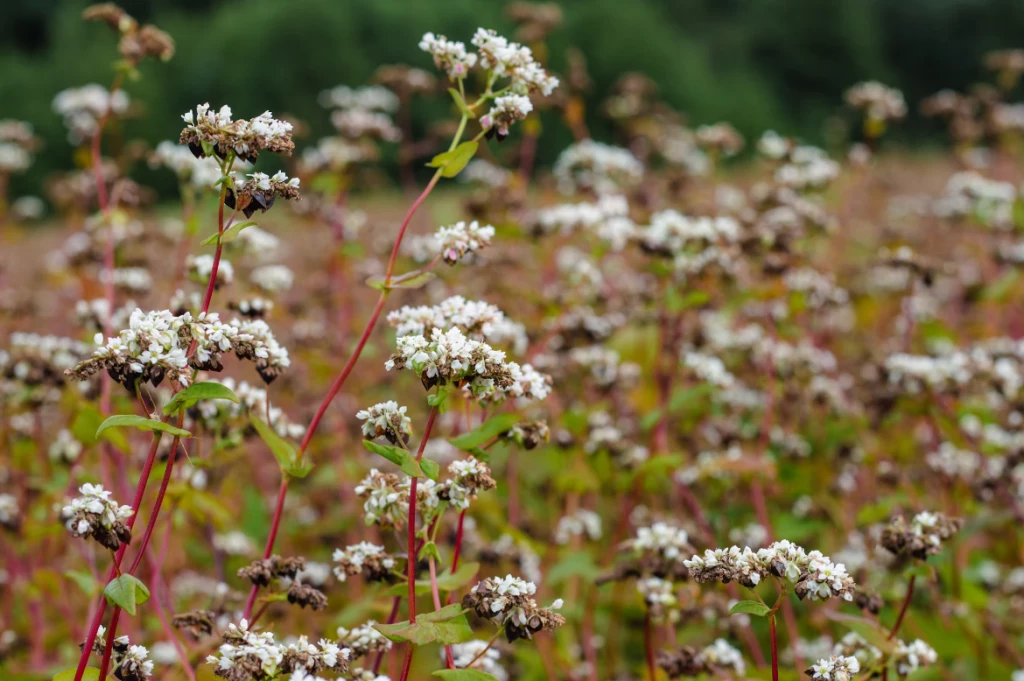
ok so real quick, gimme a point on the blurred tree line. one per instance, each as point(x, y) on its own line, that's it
point(759, 64)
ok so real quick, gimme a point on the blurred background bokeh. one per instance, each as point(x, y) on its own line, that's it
point(760, 64)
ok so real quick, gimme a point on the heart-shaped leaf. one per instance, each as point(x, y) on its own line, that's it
point(452, 162)
point(496, 425)
point(126, 591)
point(756, 608)
point(229, 235)
point(188, 397)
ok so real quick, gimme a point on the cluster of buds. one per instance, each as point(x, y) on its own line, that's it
point(508, 602)
point(451, 357)
point(96, 515)
point(128, 662)
point(922, 536)
point(216, 133)
point(263, 572)
point(250, 656)
point(658, 550)
point(835, 668)
point(689, 661)
point(369, 560)
point(909, 657)
point(386, 501)
point(460, 239)
point(363, 640)
point(528, 434)
point(260, 192)
point(660, 598)
point(813, 575)
point(17, 142)
point(155, 346)
point(137, 42)
point(477, 319)
point(387, 420)
point(469, 477)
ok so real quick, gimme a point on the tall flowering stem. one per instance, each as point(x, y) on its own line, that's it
point(775, 647)
point(350, 364)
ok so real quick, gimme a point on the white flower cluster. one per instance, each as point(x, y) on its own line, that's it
point(245, 137)
point(607, 218)
point(835, 668)
point(709, 368)
point(201, 173)
point(270, 356)
point(13, 158)
point(367, 98)
point(601, 168)
point(28, 353)
point(135, 279)
point(660, 597)
point(910, 657)
point(773, 145)
point(386, 502)
point(65, 448)
point(474, 652)
point(506, 110)
point(263, 181)
point(449, 55)
point(723, 655)
point(605, 366)
point(9, 516)
point(352, 560)
point(457, 240)
point(200, 267)
point(819, 289)
point(272, 278)
point(969, 193)
point(450, 357)
point(361, 123)
point(670, 232)
point(486, 173)
point(513, 61)
point(807, 168)
point(477, 319)
point(247, 649)
point(386, 419)
point(581, 523)
point(503, 591)
point(666, 541)
point(83, 107)
point(879, 102)
point(364, 639)
point(96, 514)
point(814, 575)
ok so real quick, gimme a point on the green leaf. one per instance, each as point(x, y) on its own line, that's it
point(461, 103)
point(463, 675)
point(922, 570)
point(452, 162)
point(751, 608)
point(300, 469)
point(400, 457)
point(430, 468)
point(199, 391)
point(417, 280)
point(438, 399)
point(430, 551)
point(496, 425)
point(84, 580)
point(579, 564)
point(91, 674)
point(447, 625)
point(285, 452)
point(229, 235)
point(125, 592)
point(446, 581)
point(142, 423)
point(87, 422)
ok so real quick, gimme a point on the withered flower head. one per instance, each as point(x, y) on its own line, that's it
point(306, 595)
point(262, 572)
point(198, 623)
point(260, 191)
point(137, 42)
point(922, 536)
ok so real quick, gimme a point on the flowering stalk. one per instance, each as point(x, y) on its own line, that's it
point(350, 364)
point(649, 646)
point(775, 647)
point(904, 608)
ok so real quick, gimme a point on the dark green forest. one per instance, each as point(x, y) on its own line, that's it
point(759, 64)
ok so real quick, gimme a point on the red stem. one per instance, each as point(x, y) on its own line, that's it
point(216, 255)
point(109, 647)
point(775, 648)
point(903, 610)
point(649, 647)
point(405, 224)
point(437, 606)
point(275, 524)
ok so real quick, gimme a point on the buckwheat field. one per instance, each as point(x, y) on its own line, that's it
point(682, 403)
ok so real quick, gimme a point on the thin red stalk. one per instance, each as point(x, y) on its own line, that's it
point(649, 647)
point(405, 224)
point(775, 648)
point(903, 610)
point(275, 524)
point(109, 647)
point(216, 255)
point(94, 626)
point(437, 606)
point(346, 370)
point(406, 663)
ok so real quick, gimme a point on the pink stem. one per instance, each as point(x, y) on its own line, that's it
point(275, 524)
point(405, 224)
point(437, 606)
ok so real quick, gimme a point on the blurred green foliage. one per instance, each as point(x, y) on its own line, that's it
point(760, 64)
